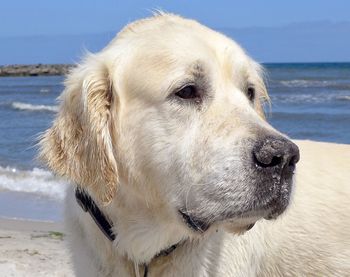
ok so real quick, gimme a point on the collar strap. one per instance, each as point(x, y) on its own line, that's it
point(88, 205)
point(162, 253)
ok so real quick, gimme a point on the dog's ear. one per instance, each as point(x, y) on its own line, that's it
point(79, 145)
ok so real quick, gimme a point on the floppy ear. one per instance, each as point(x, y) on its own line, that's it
point(260, 78)
point(79, 144)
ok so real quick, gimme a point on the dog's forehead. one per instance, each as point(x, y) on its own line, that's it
point(168, 47)
point(172, 40)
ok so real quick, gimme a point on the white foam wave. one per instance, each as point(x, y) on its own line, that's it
point(309, 98)
point(343, 97)
point(306, 83)
point(37, 181)
point(300, 98)
point(30, 107)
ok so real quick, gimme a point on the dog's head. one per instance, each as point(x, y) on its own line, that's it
point(171, 112)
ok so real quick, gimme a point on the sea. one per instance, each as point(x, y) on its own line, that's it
point(309, 101)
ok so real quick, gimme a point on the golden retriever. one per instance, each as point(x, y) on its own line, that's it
point(164, 130)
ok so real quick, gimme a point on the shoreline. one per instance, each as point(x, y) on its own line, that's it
point(23, 224)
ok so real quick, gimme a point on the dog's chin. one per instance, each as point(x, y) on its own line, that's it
point(238, 228)
point(247, 221)
point(231, 225)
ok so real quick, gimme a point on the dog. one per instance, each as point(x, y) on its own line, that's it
point(176, 172)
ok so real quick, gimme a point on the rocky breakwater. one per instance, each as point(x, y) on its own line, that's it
point(35, 69)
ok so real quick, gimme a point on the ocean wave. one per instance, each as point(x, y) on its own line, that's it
point(307, 83)
point(301, 83)
point(36, 181)
point(300, 98)
point(343, 97)
point(30, 107)
point(309, 98)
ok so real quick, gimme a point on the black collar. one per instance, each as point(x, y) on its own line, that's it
point(88, 205)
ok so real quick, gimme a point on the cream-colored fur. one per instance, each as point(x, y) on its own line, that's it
point(143, 154)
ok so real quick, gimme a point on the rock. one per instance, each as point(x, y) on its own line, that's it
point(35, 69)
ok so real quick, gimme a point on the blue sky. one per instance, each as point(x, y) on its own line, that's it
point(66, 25)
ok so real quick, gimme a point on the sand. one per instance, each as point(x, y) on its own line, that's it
point(33, 248)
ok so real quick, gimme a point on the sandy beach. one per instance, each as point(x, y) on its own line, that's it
point(33, 248)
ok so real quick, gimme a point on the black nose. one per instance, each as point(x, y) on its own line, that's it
point(276, 152)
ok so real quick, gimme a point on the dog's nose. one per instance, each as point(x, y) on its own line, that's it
point(276, 152)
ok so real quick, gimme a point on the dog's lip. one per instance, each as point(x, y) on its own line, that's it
point(271, 216)
point(193, 223)
point(250, 226)
point(278, 205)
point(274, 214)
point(198, 225)
point(237, 227)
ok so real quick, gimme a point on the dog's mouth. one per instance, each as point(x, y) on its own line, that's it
point(200, 226)
point(279, 202)
point(194, 223)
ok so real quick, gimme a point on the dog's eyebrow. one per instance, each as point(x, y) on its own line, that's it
point(197, 69)
point(199, 72)
point(194, 73)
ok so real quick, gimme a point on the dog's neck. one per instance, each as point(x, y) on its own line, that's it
point(141, 237)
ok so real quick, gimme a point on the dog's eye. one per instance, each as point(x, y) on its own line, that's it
point(251, 93)
point(188, 92)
